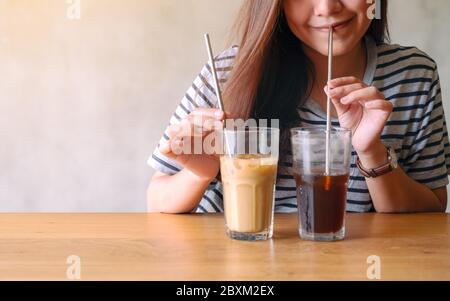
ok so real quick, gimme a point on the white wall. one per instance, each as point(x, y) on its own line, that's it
point(425, 24)
point(83, 102)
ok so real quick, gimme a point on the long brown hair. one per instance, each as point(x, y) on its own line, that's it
point(271, 74)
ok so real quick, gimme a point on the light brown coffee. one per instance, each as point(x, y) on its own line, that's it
point(248, 183)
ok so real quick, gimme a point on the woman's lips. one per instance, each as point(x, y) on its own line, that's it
point(336, 26)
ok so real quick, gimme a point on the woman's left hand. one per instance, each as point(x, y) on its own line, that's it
point(361, 108)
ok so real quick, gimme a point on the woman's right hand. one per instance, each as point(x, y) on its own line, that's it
point(194, 128)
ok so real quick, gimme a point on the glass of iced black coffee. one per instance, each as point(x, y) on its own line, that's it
point(321, 192)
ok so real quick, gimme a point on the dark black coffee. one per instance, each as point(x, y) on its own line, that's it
point(321, 202)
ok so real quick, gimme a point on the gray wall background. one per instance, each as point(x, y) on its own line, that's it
point(84, 101)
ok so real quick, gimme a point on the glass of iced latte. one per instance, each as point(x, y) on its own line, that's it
point(248, 169)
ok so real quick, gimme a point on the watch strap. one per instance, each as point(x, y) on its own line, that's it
point(375, 172)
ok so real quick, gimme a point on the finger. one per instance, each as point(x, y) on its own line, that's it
point(204, 122)
point(379, 104)
point(185, 133)
point(173, 130)
point(166, 149)
point(343, 91)
point(361, 95)
point(178, 147)
point(165, 146)
point(341, 81)
point(183, 129)
point(212, 124)
point(179, 135)
point(208, 112)
point(186, 137)
point(340, 108)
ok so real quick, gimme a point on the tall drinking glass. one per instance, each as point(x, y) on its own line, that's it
point(321, 197)
point(249, 171)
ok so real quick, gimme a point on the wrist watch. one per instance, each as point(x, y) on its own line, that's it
point(381, 170)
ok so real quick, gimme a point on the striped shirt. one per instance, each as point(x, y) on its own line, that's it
point(416, 129)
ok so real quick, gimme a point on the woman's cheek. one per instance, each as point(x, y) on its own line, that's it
point(357, 5)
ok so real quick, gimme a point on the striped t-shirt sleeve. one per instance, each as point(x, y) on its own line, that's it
point(200, 94)
point(428, 158)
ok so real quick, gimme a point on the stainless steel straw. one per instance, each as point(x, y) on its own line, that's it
point(330, 74)
point(216, 83)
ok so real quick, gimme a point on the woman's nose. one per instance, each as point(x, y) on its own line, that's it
point(327, 7)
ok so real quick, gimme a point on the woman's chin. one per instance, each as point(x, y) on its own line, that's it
point(339, 49)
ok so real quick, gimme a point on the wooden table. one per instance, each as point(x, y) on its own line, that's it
point(194, 247)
